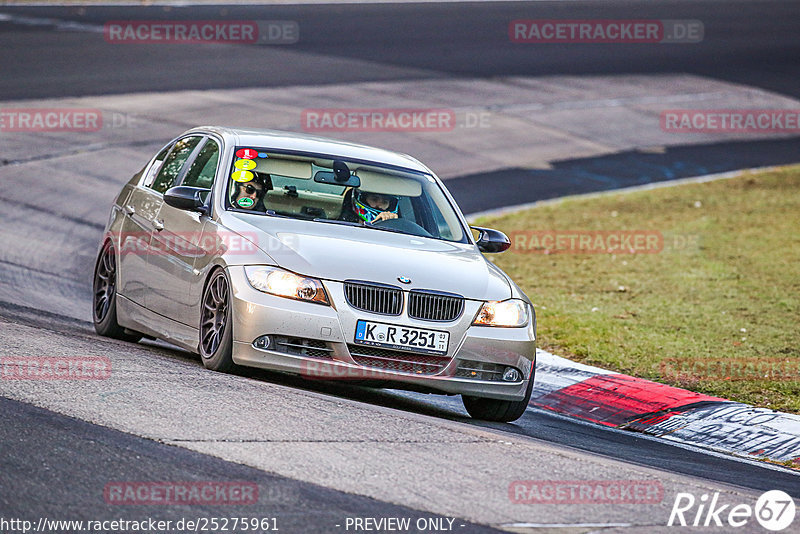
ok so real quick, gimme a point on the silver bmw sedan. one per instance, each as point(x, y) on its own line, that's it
point(316, 257)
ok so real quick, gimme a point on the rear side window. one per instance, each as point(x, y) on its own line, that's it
point(155, 167)
point(201, 173)
point(172, 165)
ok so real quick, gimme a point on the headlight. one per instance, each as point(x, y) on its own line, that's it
point(282, 283)
point(508, 313)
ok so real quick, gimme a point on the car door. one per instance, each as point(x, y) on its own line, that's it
point(146, 203)
point(140, 209)
point(176, 243)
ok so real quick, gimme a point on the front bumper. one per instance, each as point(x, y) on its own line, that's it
point(333, 327)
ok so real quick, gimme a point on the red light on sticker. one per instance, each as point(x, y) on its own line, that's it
point(246, 153)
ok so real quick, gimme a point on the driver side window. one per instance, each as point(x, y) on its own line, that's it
point(204, 168)
point(172, 165)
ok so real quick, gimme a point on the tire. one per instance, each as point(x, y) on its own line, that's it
point(498, 410)
point(216, 325)
point(104, 297)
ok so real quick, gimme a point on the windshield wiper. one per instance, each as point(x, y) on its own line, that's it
point(386, 229)
point(298, 216)
point(350, 223)
point(273, 213)
point(337, 221)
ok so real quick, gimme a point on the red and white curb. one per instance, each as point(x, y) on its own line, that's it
point(626, 402)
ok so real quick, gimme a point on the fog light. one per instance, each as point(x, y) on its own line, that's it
point(511, 375)
point(262, 342)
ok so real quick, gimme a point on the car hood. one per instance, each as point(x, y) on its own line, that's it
point(340, 252)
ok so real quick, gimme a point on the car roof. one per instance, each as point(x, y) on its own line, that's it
point(298, 142)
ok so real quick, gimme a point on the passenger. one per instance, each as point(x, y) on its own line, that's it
point(255, 190)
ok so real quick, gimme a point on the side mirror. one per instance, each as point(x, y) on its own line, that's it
point(186, 198)
point(491, 240)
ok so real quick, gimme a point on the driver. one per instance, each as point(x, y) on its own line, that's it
point(372, 207)
point(250, 195)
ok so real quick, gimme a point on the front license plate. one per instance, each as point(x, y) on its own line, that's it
point(401, 337)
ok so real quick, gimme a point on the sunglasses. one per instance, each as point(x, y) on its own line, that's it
point(249, 189)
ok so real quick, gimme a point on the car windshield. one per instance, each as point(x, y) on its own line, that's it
point(326, 191)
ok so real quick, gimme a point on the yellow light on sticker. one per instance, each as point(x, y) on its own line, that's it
point(245, 164)
point(242, 176)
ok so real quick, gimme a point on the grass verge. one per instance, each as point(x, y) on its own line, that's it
point(709, 300)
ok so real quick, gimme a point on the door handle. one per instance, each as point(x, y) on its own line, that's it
point(158, 225)
point(129, 209)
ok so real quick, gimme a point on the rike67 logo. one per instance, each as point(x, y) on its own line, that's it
point(774, 510)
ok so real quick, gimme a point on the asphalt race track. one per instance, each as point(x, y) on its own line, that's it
point(319, 452)
point(61, 52)
point(84, 457)
point(752, 43)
